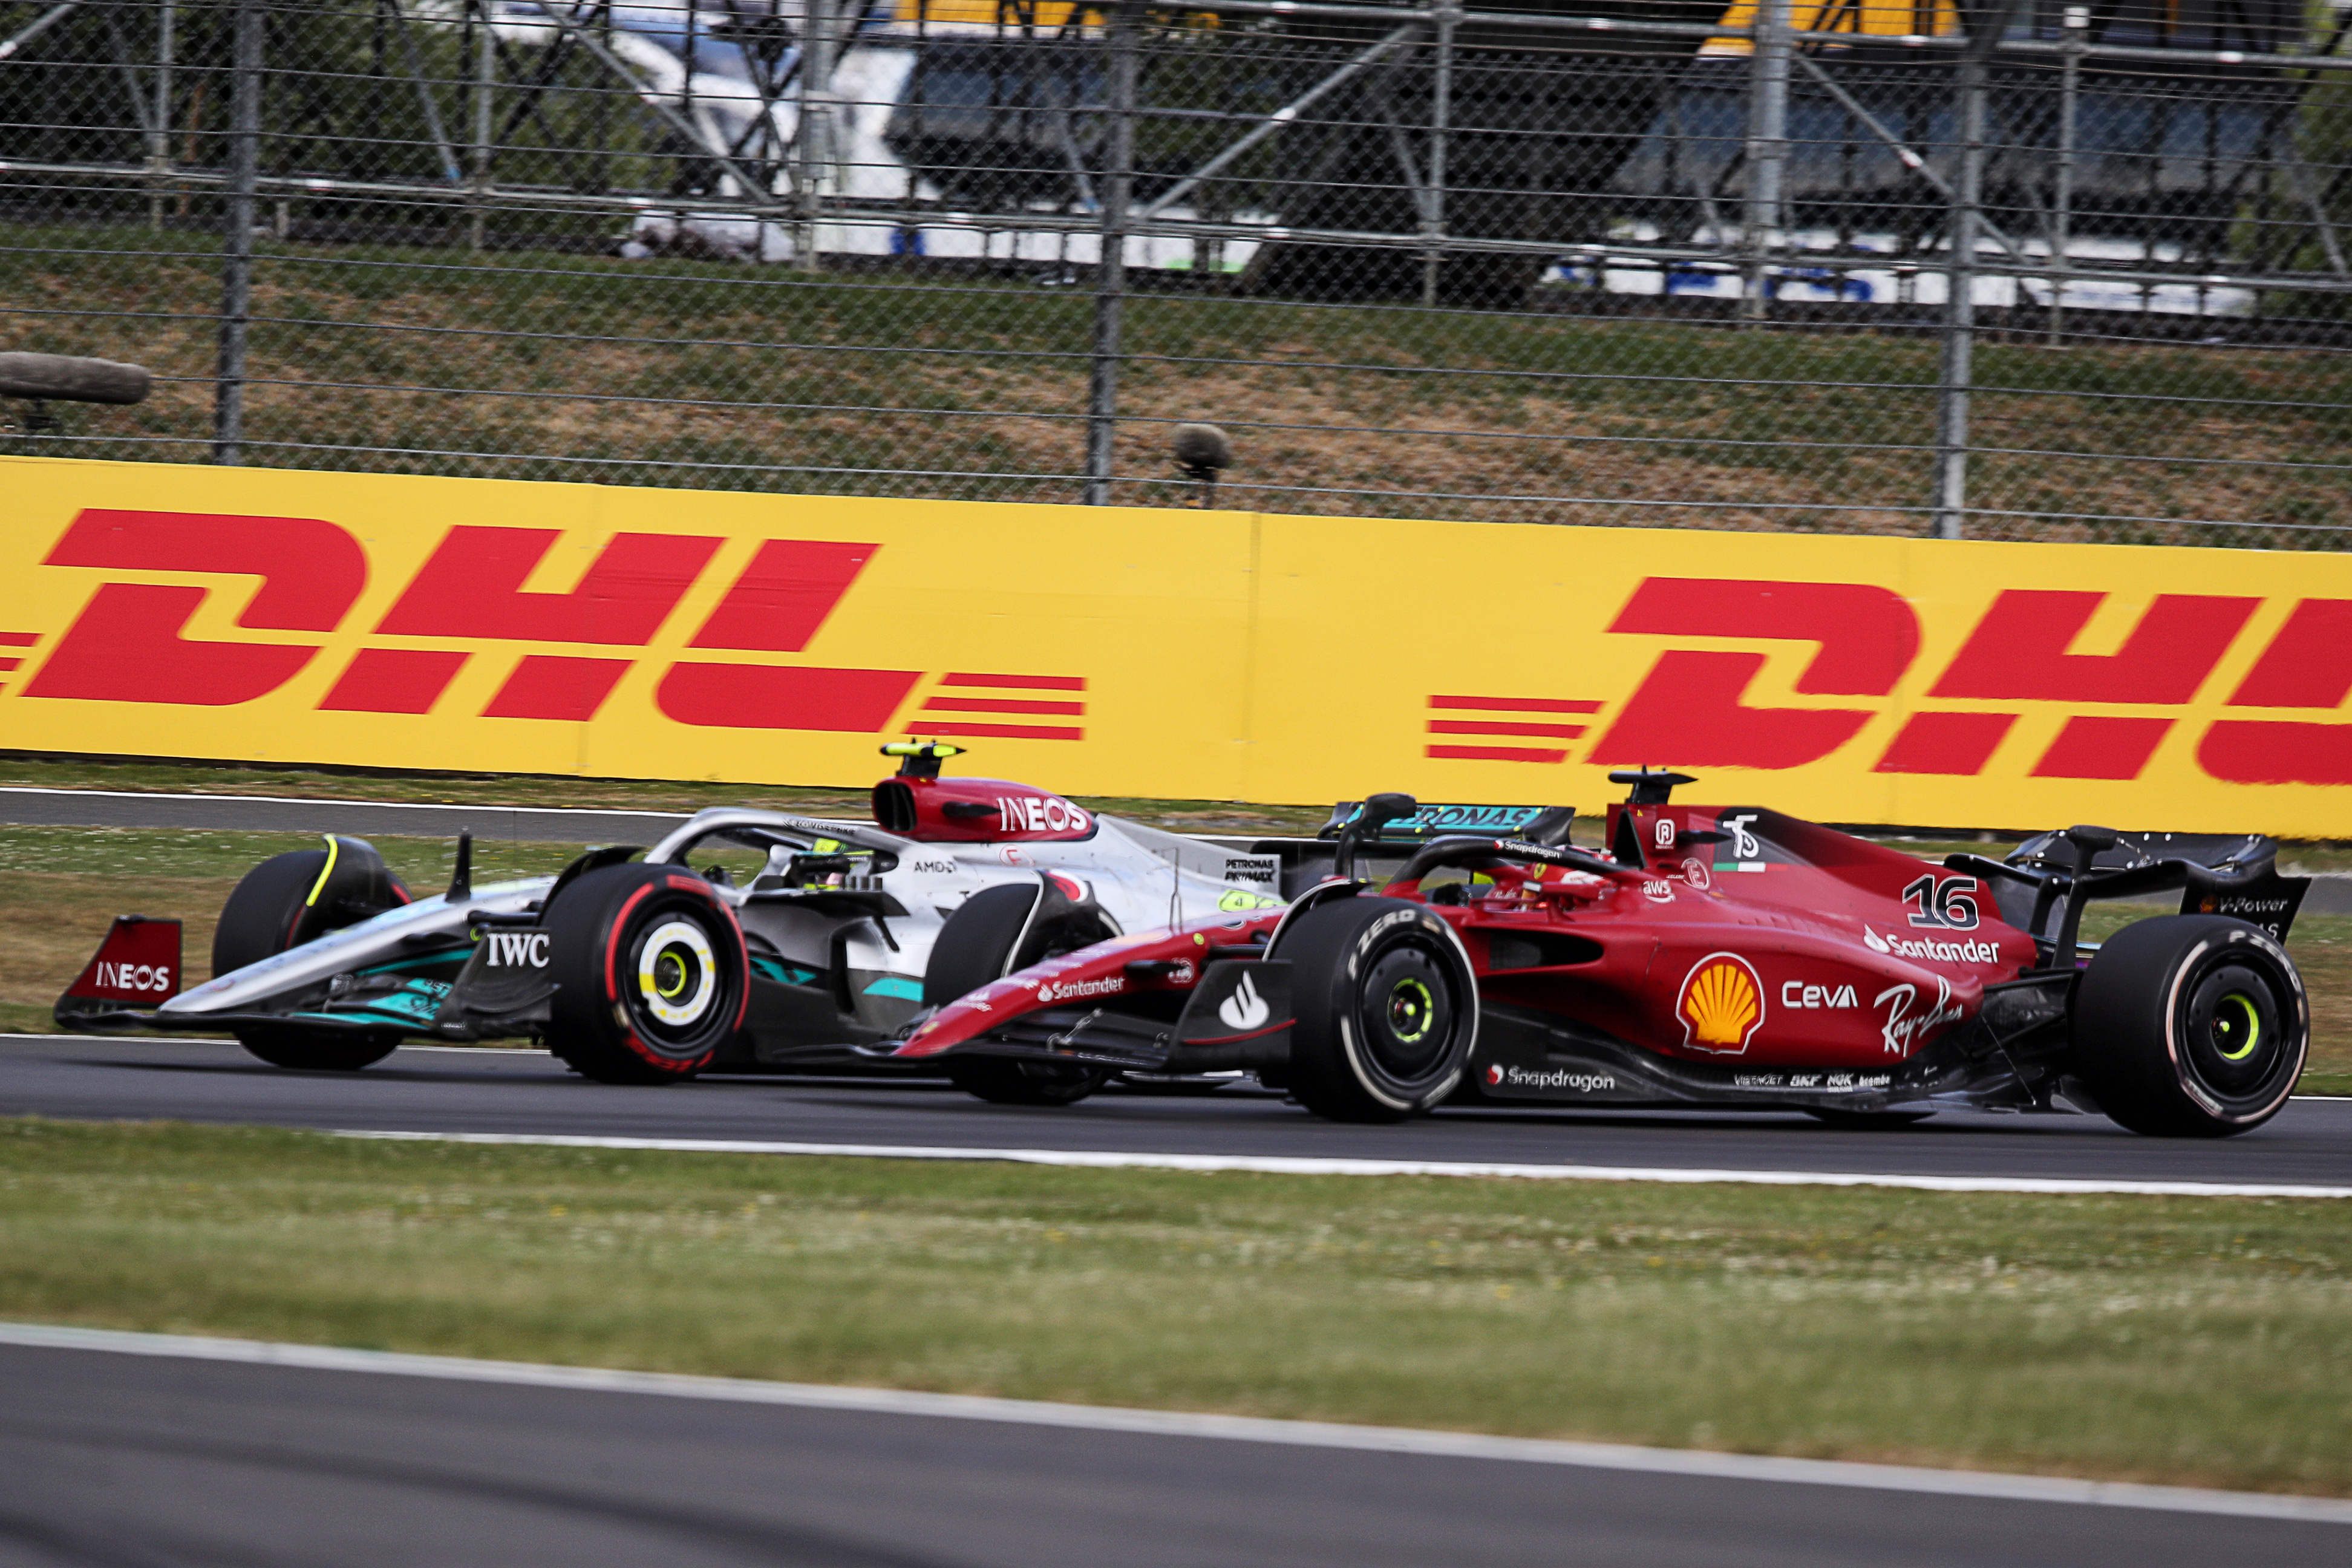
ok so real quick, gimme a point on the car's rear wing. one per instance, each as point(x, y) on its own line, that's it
point(1545, 825)
point(2042, 884)
point(1306, 861)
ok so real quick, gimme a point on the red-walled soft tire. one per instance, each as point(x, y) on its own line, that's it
point(650, 971)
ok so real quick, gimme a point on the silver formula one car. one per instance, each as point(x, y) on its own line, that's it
point(649, 971)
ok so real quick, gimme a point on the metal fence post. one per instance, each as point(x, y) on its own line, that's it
point(1768, 146)
point(237, 261)
point(1121, 26)
point(159, 140)
point(1955, 372)
point(1440, 122)
point(486, 70)
point(2077, 38)
point(815, 131)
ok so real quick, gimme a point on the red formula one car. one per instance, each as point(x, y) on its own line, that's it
point(1714, 957)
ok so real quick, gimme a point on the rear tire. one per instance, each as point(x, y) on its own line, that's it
point(650, 973)
point(1386, 1009)
point(2192, 1026)
point(1015, 1080)
point(317, 1050)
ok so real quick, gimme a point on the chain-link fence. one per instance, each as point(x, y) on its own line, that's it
point(1849, 265)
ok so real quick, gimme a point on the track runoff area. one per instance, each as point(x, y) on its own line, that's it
point(1720, 1489)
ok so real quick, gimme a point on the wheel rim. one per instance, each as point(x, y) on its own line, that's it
point(675, 985)
point(1406, 1009)
point(2235, 1034)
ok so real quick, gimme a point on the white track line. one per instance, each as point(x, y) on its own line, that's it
point(1185, 1424)
point(1283, 1165)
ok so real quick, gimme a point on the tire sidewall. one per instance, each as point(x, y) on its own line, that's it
point(2132, 1012)
point(1334, 1070)
point(264, 909)
point(2241, 941)
point(597, 1023)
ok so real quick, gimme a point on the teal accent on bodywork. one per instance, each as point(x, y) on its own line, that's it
point(418, 1002)
point(896, 985)
point(781, 974)
point(439, 955)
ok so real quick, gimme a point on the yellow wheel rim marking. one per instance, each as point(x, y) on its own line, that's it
point(680, 941)
point(2242, 1004)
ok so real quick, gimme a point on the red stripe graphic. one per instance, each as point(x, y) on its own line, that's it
point(1499, 728)
point(972, 699)
point(1496, 727)
point(1495, 755)
point(1516, 704)
point(1007, 732)
point(999, 705)
point(19, 639)
point(1029, 683)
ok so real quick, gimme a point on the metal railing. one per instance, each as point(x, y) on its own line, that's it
point(2067, 272)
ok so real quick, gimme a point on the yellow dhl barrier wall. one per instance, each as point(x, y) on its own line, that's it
point(492, 625)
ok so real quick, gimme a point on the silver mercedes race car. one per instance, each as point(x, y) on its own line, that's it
point(649, 970)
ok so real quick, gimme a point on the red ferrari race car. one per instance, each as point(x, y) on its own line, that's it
point(1714, 957)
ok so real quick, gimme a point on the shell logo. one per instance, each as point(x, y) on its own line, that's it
point(1722, 1003)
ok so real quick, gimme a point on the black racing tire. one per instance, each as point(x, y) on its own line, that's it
point(991, 935)
point(1386, 1009)
point(263, 913)
point(975, 945)
point(2192, 1026)
point(1018, 1080)
point(1868, 1120)
point(650, 971)
point(318, 1050)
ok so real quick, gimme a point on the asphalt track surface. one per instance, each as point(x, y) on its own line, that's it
point(87, 1078)
point(142, 1460)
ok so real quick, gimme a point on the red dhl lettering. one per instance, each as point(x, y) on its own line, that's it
point(126, 646)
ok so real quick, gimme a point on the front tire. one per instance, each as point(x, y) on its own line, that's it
point(1386, 1009)
point(261, 920)
point(650, 973)
point(2192, 1026)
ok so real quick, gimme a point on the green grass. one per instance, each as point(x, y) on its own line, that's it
point(2196, 1341)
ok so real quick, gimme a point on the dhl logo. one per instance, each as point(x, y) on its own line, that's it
point(126, 644)
point(1690, 709)
point(284, 616)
